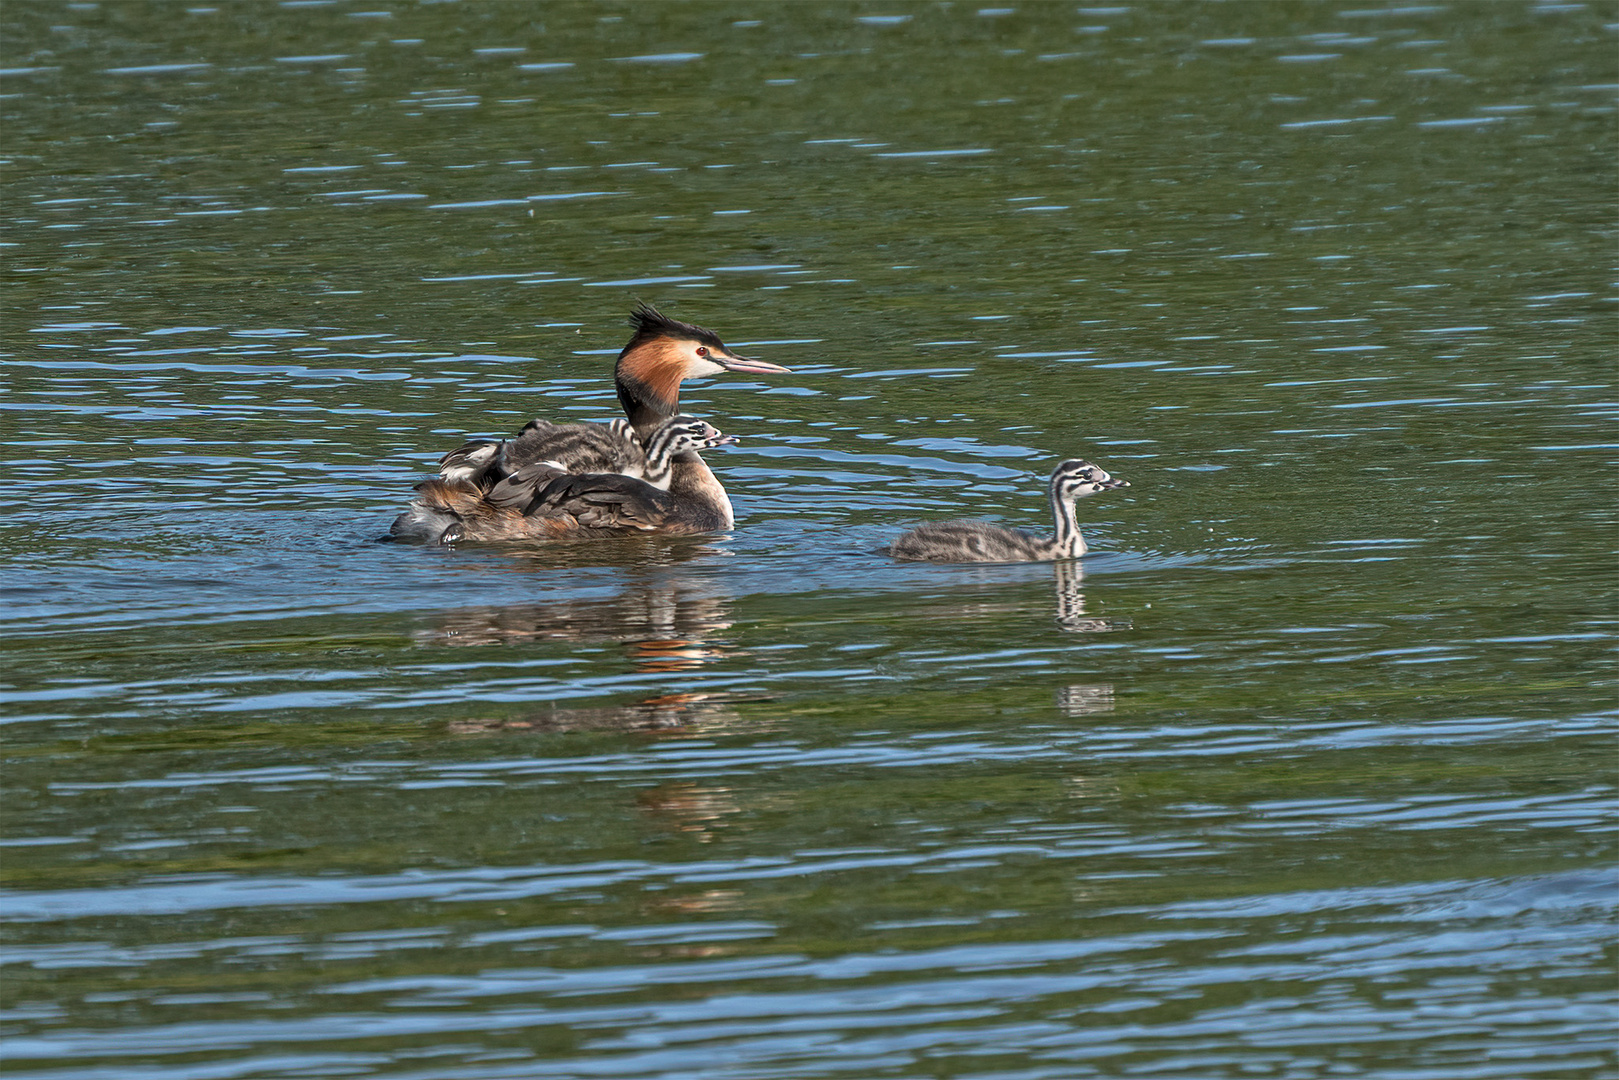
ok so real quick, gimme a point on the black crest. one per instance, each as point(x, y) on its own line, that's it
point(650, 323)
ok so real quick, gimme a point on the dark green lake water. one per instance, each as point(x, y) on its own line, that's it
point(1308, 771)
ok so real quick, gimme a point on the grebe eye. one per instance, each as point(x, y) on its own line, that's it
point(702, 350)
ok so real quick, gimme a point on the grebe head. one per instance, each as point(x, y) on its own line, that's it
point(679, 434)
point(661, 354)
point(1075, 479)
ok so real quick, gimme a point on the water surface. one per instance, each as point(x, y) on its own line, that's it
point(1305, 771)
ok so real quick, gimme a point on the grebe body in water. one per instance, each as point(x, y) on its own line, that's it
point(979, 541)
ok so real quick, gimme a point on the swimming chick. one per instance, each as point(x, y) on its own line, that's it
point(979, 541)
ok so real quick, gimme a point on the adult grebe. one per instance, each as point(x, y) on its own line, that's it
point(661, 353)
point(979, 541)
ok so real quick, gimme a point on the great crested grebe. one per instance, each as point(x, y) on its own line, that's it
point(661, 353)
point(979, 541)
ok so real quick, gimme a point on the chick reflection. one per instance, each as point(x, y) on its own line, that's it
point(1071, 602)
point(1085, 700)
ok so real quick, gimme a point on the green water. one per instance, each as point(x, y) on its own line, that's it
point(1306, 771)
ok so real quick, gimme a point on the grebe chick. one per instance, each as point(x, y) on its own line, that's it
point(540, 501)
point(620, 452)
point(676, 435)
point(661, 353)
point(581, 448)
point(979, 541)
point(609, 447)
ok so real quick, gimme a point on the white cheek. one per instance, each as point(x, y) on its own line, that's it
point(699, 368)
